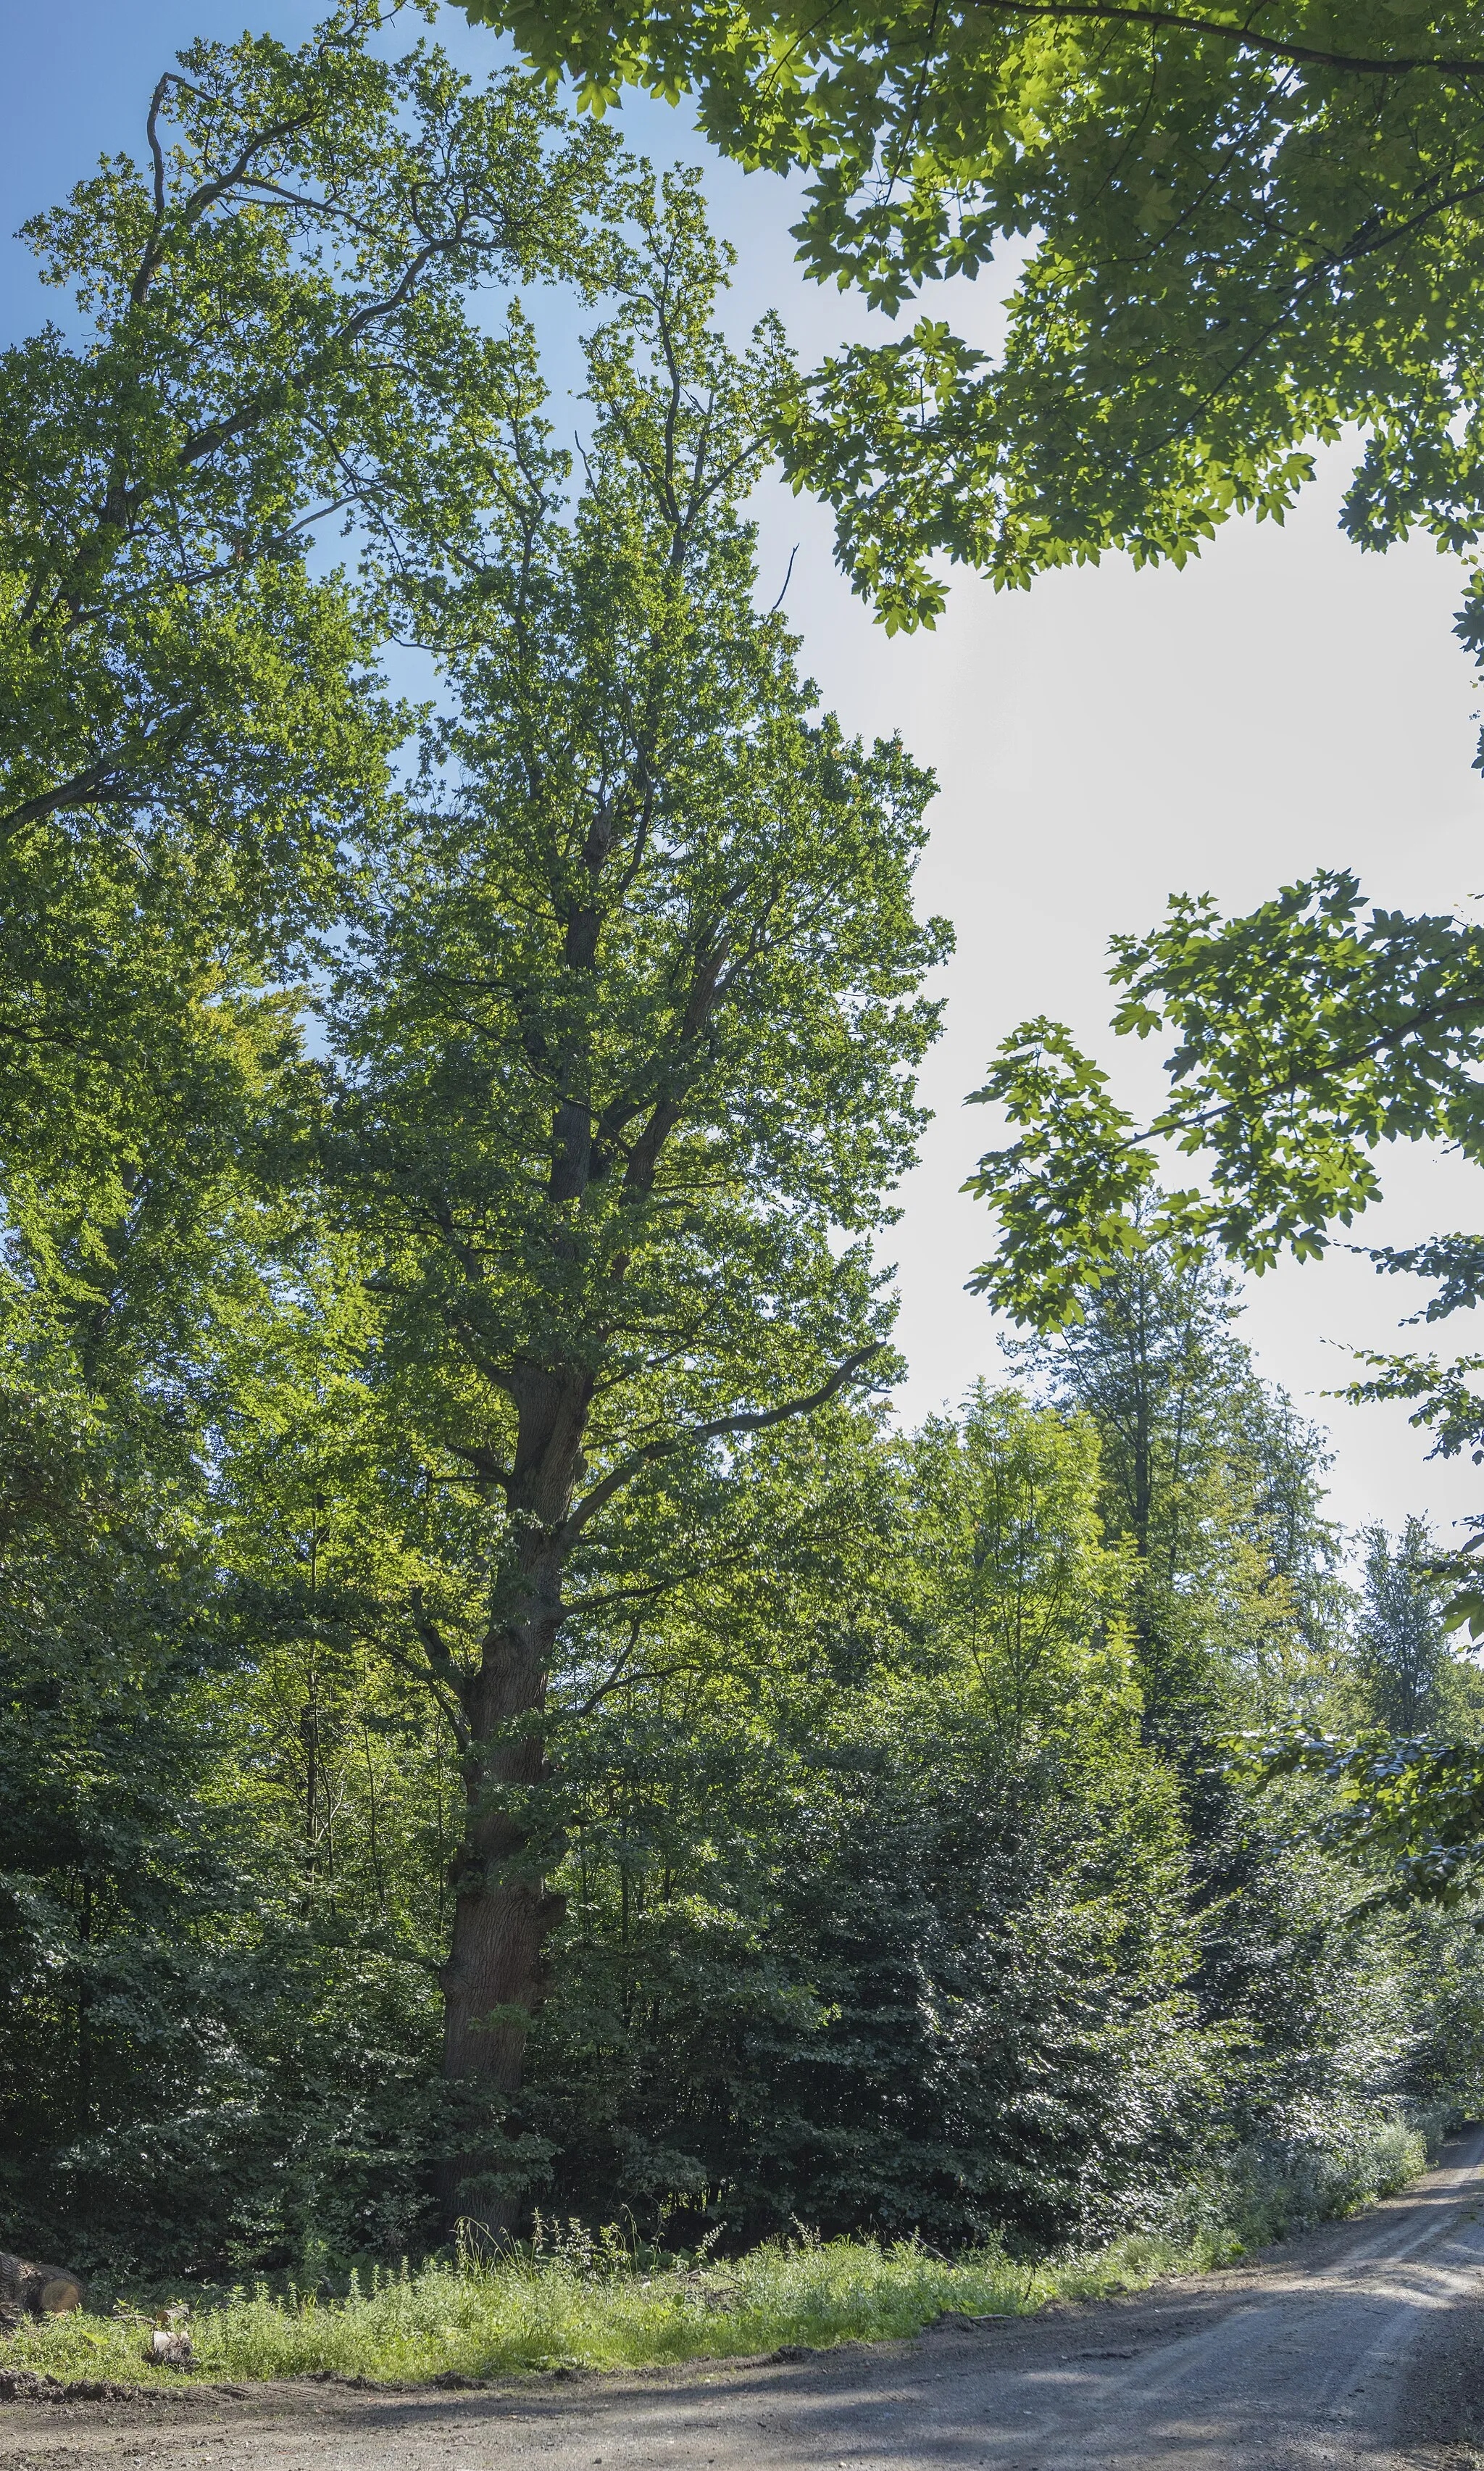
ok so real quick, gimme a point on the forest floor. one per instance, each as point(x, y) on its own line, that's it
point(1361, 2344)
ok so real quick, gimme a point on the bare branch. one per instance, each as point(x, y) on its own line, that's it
point(787, 580)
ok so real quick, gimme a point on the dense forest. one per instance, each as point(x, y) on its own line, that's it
point(495, 1709)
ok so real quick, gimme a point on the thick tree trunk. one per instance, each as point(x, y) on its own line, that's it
point(495, 1981)
point(495, 1978)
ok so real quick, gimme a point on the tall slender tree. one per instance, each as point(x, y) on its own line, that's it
point(1209, 1481)
point(1400, 1644)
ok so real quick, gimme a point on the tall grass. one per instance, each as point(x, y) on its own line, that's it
point(575, 2302)
point(576, 2299)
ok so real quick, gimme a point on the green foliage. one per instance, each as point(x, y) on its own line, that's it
point(1240, 237)
point(1267, 2192)
point(1307, 1037)
point(455, 1602)
point(891, 1984)
point(106, 1853)
point(268, 335)
point(1400, 1651)
point(579, 2299)
point(1418, 1806)
point(896, 1937)
point(202, 2050)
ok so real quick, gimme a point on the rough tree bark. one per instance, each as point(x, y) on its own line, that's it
point(495, 1978)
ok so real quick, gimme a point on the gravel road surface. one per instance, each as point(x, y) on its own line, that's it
point(1360, 2344)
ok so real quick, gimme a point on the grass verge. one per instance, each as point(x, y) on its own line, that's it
point(574, 2300)
point(574, 2306)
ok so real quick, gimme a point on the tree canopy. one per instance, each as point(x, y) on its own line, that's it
point(1243, 232)
point(266, 339)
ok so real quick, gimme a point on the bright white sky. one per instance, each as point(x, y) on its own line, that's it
point(1102, 742)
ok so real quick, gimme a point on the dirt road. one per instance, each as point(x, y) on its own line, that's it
point(1363, 2343)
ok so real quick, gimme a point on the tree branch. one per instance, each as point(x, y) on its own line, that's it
point(1242, 37)
point(484, 1464)
point(442, 1677)
point(747, 1421)
point(105, 784)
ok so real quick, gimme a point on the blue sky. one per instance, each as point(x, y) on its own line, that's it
point(1102, 742)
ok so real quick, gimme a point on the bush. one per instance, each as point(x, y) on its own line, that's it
point(1271, 2188)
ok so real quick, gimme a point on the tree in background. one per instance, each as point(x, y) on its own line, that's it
point(1240, 1617)
point(877, 1900)
point(108, 1855)
point(202, 2030)
point(1307, 1036)
point(1210, 1481)
point(1400, 1644)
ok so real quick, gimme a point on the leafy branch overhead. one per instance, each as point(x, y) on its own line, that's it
point(1308, 1035)
point(1233, 234)
point(1413, 1808)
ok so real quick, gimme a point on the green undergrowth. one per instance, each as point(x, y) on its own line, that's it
point(574, 2299)
point(571, 2305)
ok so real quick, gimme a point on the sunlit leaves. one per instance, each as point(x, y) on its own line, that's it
point(270, 334)
point(1308, 1035)
point(1414, 1809)
point(1241, 237)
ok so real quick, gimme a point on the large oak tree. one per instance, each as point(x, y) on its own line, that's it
point(628, 1042)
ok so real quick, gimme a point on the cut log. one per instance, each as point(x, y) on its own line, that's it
point(42, 2290)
